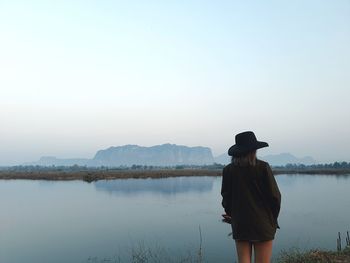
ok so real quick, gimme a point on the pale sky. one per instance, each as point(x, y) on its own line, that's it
point(79, 76)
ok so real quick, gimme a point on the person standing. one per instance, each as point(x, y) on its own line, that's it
point(251, 199)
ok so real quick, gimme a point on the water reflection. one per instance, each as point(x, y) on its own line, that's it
point(164, 186)
point(314, 209)
point(69, 221)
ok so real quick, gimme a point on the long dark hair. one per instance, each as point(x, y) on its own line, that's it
point(248, 159)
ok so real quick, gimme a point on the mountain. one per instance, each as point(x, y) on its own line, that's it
point(272, 159)
point(223, 159)
point(285, 158)
point(127, 155)
point(159, 155)
point(163, 155)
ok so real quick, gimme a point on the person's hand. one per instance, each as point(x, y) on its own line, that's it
point(226, 218)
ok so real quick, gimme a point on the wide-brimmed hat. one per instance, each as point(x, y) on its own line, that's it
point(245, 143)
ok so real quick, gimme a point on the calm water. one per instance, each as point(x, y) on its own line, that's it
point(44, 221)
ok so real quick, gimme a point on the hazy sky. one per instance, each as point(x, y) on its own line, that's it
point(79, 76)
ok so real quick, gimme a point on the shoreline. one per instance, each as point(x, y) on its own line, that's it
point(110, 174)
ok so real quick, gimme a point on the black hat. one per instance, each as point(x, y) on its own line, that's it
point(245, 143)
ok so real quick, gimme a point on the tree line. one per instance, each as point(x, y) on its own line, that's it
point(215, 166)
point(335, 165)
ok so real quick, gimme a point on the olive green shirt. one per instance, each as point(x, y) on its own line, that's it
point(251, 197)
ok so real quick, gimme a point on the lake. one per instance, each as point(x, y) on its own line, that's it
point(74, 221)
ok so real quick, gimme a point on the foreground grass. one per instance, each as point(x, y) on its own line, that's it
point(314, 256)
point(143, 254)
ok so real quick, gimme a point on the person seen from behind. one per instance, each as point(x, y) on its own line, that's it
point(251, 200)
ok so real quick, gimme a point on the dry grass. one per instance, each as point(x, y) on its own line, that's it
point(108, 174)
point(90, 176)
point(314, 256)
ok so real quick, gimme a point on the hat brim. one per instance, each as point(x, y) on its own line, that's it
point(236, 150)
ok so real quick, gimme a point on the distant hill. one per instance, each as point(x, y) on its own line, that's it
point(285, 158)
point(127, 155)
point(163, 155)
point(223, 158)
point(159, 155)
point(273, 159)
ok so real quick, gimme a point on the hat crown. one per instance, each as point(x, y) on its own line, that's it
point(245, 143)
point(245, 138)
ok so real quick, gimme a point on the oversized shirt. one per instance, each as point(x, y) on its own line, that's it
point(251, 197)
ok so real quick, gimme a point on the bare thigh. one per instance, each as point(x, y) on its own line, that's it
point(244, 251)
point(263, 251)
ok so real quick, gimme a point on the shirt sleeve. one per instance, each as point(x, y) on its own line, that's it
point(226, 190)
point(275, 195)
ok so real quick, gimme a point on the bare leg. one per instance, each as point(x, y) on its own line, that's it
point(263, 251)
point(244, 251)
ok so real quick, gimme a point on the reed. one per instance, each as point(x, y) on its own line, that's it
point(142, 253)
point(339, 242)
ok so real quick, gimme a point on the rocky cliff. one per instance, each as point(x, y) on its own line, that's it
point(158, 155)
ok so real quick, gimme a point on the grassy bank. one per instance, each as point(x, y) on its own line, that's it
point(93, 175)
point(90, 175)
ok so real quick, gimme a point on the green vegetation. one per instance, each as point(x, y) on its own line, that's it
point(75, 168)
point(143, 254)
point(314, 256)
point(335, 165)
point(330, 168)
point(89, 174)
point(216, 166)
